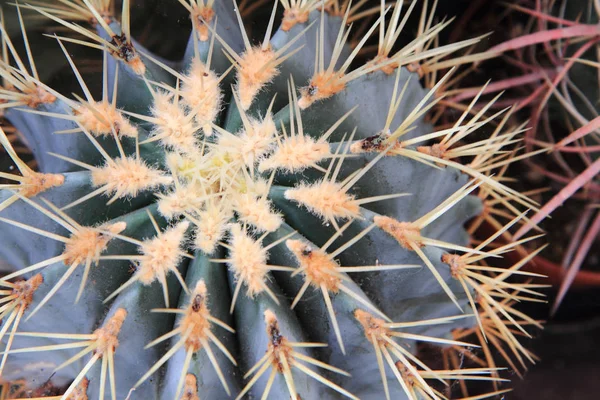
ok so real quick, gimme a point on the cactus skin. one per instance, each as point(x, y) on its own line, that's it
point(225, 293)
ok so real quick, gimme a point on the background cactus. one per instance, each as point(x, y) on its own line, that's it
point(556, 89)
point(209, 228)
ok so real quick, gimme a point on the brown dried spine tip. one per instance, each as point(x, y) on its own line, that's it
point(385, 65)
point(24, 290)
point(194, 333)
point(404, 232)
point(283, 359)
point(201, 17)
point(278, 346)
point(437, 150)
point(35, 183)
point(107, 336)
point(318, 267)
point(375, 328)
point(292, 17)
point(196, 319)
point(370, 144)
point(416, 68)
point(80, 392)
point(197, 303)
point(126, 52)
point(322, 86)
point(37, 96)
point(190, 390)
point(375, 143)
point(406, 374)
point(455, 262)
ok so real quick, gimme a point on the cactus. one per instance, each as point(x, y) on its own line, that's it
point(209, 229)
point(557, 89)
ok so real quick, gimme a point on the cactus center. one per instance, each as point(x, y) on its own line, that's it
point(256, 211)
point(183, 198)
point(175, 126)
point(212, 228)
point(252, 143)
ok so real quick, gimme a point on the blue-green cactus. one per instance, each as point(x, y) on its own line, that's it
point(207, 228)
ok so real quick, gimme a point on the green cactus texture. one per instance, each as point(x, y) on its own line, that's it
point(271, 217)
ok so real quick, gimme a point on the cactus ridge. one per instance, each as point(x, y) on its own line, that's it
point(209, 229)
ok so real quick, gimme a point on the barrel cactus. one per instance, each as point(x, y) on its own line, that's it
point(264, 220)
